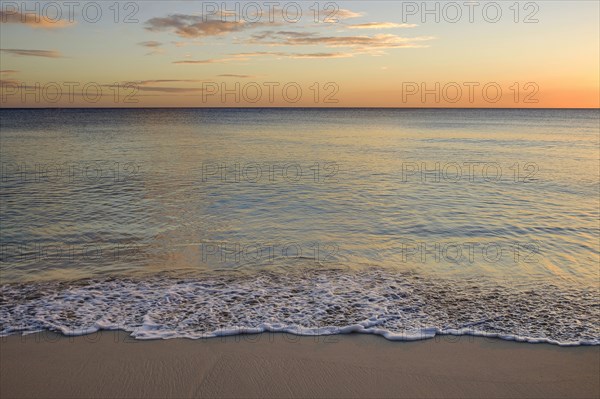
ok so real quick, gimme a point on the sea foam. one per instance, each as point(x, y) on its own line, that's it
point(397, 305)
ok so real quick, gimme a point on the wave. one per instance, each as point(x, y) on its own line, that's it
point(397, 305)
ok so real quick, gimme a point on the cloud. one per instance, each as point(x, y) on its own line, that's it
point(154, 85)
point(159, 81)
point(342, 14)
point(276, 35)
point(33, 20)
point(9, 82)
point(33, 53)
point(380, 25)
point(193, 26)
point(232, 75)
point(151, 44)
point(8, 71)
point(321, 55)
point(208, 61)
point(154, 45)
point(379, 41)
point(257, 54)
point(163, 89)
point(247, 56)
point(189, 62)
point(236, 57)
point(294, 55)
point(280, 16)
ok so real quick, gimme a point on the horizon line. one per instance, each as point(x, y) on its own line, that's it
point(304, 108)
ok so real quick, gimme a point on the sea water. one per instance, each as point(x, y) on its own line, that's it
point(205, 222)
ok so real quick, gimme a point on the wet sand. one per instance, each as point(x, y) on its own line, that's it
point(111, 365)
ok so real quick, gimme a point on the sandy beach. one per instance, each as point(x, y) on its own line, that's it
point(111, 364)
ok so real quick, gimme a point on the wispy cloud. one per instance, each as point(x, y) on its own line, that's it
point(33, 20)
point(9, 82)
point(233, 75)
point(380, 25)
point(154, 46)
point(8, 71)
point(320, 55)
point(160, 81)
point(211, 60)
point(207, 61)
point(284, 38)
point(294, 55)
point(156, 87)
point(248, 55)
point(33, 53)
point(163, 89)
point(194, 26)
point(342, 14)
point(287, 33)
point(258, 54)
point(151, 44)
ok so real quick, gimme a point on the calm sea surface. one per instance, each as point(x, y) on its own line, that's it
point(405, 223)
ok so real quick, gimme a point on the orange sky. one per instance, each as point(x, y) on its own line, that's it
point(329, 54)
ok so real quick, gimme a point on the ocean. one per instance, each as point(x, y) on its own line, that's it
point(407, 223)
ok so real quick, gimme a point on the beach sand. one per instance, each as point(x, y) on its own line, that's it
point(110, 364)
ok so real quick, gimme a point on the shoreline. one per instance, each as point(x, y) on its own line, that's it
point(316, 333)
point(401, 305)
point(112, 364)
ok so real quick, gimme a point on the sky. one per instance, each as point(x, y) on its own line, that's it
point(540, 54)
